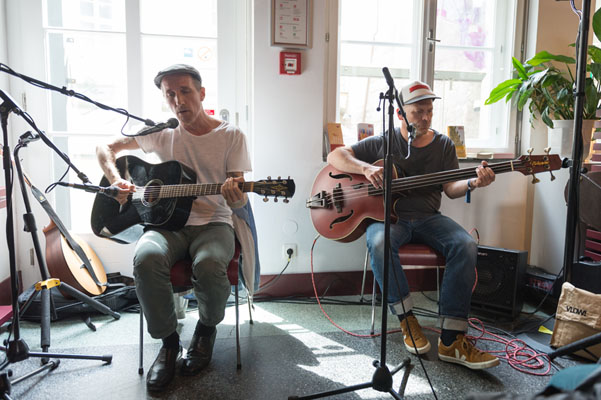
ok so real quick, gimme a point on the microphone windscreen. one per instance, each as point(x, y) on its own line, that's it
point(172, 123)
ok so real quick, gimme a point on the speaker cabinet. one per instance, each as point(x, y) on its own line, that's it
point(501, 280)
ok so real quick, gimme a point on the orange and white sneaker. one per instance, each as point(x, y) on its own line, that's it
point(463, 352)
point(421, 342)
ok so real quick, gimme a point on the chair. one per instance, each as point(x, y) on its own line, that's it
point(6, 313)
point(181, 274)
point(409, 254)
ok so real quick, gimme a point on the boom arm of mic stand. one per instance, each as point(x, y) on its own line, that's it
point(49, 143)
point(71, 93)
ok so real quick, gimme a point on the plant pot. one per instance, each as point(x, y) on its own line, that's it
point(561, 136)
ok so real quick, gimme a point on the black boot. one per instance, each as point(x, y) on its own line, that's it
point(163, 369)
point(200, 351)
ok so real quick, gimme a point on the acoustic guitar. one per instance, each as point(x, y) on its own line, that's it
point(343, 204)
point(163, 198)
point(64, 263)
point(68, 258)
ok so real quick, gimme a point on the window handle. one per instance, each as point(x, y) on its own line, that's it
point(431, 39)
point(224, 114)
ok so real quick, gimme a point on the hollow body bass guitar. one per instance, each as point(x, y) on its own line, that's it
point(343, 204)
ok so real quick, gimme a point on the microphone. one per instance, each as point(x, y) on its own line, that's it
point(388, 77)
point(171, 123)
point(110, 191)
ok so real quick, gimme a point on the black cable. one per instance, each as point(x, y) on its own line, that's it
point(275, 278)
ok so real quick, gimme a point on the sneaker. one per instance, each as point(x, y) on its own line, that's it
point(463, 352)
point(421, 343)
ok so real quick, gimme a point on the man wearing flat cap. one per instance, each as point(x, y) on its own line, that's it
point(419, 220)
point(216, 152)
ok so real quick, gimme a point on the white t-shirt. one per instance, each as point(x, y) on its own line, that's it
point(211, 156)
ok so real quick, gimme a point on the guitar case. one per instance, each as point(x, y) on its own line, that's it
point(119, 296)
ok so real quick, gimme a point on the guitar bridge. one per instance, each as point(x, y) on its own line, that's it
point(337, 197)
point(320, 200)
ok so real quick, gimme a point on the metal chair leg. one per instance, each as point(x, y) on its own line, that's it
point(249, 300)
point(238, 362)
point(438, 283)
point(141, 365)
point(373, 307)
point(364, 275)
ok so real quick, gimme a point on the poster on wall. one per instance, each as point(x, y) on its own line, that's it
point(291, 23)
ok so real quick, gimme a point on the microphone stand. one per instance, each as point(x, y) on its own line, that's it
point(574, 182)
point(382, 377)
point(71, 93)
point(17, 349)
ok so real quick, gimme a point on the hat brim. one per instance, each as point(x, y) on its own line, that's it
point(420, 98)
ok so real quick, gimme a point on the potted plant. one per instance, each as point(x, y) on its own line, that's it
point(548, 90)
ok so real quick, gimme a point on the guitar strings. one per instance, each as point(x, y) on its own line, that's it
point(409, 183)
point(415, 182)
point(182, 190)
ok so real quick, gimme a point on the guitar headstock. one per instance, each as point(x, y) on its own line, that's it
point(275, 188)
point(530, 165)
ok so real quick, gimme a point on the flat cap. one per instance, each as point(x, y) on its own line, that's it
point(177, 69)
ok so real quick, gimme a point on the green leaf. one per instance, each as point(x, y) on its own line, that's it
point(597, 24)
point(524, 97)
point(517, 65)
point(545, 56)
point(502, 90)
point(595, 71)
point(595, 53)
point(546, 119)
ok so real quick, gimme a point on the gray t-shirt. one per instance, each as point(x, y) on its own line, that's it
point(211, 156)
point(438, 155)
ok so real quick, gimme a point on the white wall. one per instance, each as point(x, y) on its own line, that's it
point(288, 118)
point(288, 123)
point(556, 29)
point(4, 263)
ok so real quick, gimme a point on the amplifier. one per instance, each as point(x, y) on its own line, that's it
point(501, 280)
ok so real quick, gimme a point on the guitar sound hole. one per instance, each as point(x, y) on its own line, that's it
point(152, 192)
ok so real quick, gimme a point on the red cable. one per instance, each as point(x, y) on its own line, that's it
point(326, 314)
point(517, 354)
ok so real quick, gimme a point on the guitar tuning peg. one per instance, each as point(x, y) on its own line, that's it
point(286, 201)
point(265, 199)
point(268, 177)
point(547, 150)
point(275, 199)
point(530, 150)
point(279, 178)
point(552, 176)
point(535, 179)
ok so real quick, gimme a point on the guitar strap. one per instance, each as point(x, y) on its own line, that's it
point(63, 230)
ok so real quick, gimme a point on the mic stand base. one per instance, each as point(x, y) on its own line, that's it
point(380, 381)
point(17, 349)
point(382, 378)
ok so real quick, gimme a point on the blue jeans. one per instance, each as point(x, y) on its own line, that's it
point(447, 237)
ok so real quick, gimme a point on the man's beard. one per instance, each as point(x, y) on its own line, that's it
point(420, 132)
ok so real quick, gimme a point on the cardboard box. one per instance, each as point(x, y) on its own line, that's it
point(578, 316)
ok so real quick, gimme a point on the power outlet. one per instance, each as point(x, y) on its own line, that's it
point(291, 246)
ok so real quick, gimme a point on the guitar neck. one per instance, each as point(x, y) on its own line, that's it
point(200, 189)
point(438, 178)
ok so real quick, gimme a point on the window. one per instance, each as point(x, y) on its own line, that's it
point(110, 51)
point(463, 48)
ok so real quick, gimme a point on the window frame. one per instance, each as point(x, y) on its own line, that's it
point(33, 35)
point(422, 68)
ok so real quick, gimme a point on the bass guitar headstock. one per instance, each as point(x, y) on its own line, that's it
point(531, 165)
